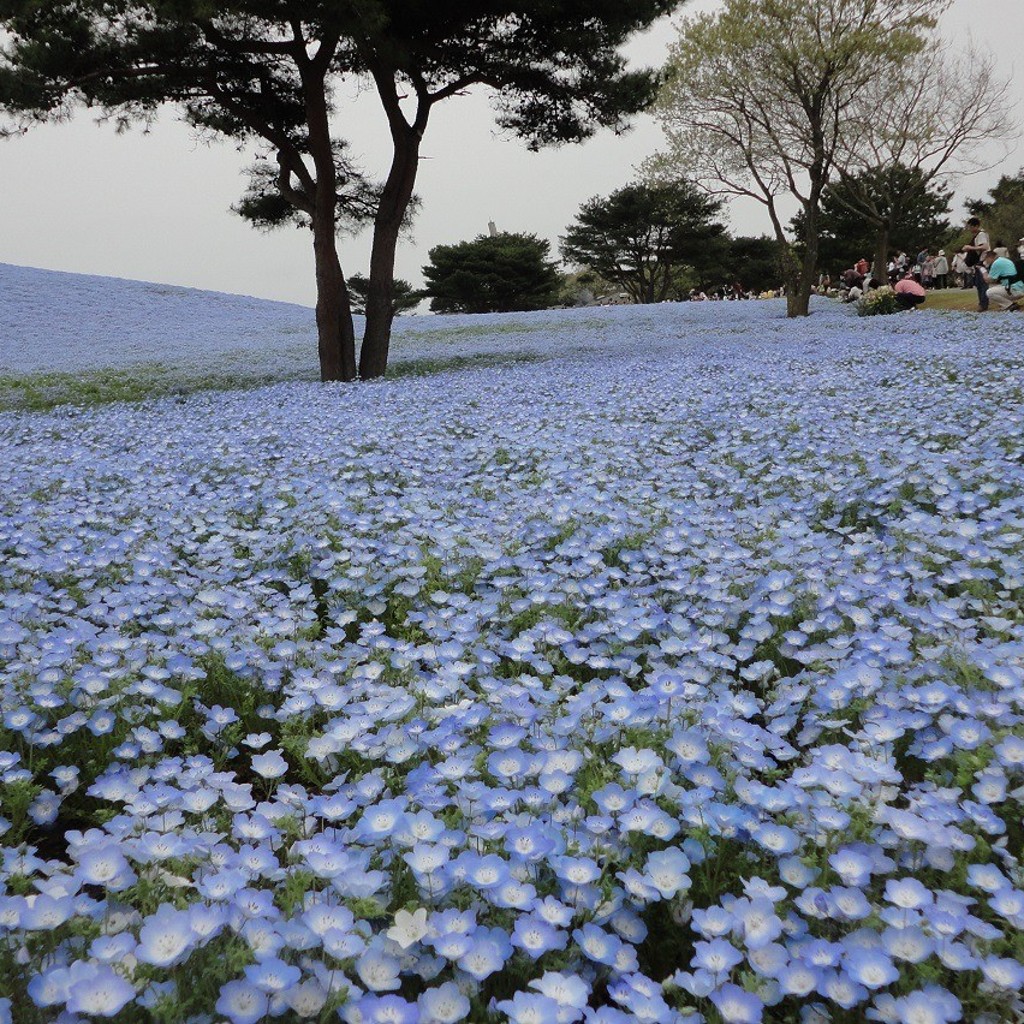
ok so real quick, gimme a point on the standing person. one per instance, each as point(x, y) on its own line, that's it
point(862, 267)
point(964, 269)
point(959, 268)
point(975, 249)
point(928, 272)
point(941, 270)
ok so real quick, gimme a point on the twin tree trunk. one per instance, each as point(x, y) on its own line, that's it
point(335, 330)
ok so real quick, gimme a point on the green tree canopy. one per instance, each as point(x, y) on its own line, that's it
point(1002, 210)
point(404, 296)
point(498, 273)
point(873, 213)
point(754, 261)
point(642, 235)
point(269, 74)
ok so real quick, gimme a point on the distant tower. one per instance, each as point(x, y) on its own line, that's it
point(492, 229)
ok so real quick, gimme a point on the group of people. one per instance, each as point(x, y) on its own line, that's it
point(998, 277)
point(725, 293)
point(995, 272)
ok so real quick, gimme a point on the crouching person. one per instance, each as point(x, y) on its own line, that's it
point(1005, 287)
point(910, 293)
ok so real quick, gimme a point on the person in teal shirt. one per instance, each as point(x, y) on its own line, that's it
point(1005, 288)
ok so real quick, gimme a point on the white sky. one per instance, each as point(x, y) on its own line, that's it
point(156, 206)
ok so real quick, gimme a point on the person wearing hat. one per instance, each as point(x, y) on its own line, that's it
point(941, 270)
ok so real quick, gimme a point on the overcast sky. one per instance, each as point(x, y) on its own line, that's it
point(156, 206)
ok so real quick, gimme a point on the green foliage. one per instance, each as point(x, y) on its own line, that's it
point(886, 208)
point(266, 206)
point(16, 798)
point(403, 297)
point(499, 273)
point(1002, 211)
point(582, 288)
point(754, 262)
point(878, 302)
point(641, 236)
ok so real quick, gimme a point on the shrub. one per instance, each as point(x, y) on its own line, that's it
point(878, 302)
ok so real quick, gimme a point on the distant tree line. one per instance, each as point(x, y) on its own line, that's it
point(646, 242)
point(655, 241)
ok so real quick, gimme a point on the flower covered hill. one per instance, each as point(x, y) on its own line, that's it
point(676, 681)
point(53, 320)
point(81, 339)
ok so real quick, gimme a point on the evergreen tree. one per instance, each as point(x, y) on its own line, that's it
point(879, 211)
point(754, 262)
point(641, 237)
point(492, 274)
point(1002, 212)
point(404, 297)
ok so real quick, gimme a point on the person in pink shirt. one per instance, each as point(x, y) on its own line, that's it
point(909, 292)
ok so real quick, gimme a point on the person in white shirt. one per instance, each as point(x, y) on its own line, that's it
point(960, 270)
point(978, 246)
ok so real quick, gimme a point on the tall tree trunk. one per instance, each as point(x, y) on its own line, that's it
point(336, 339)
point(335, 332)
point(798, 300)
point(882, 253)
point(799, 303)
point(789, 266)
point(792, 278)
point(394, 203)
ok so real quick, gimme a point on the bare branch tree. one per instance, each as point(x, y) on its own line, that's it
point(936, 115)
point(760, 95)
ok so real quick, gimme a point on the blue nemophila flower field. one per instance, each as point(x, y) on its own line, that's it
point(676, 679)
